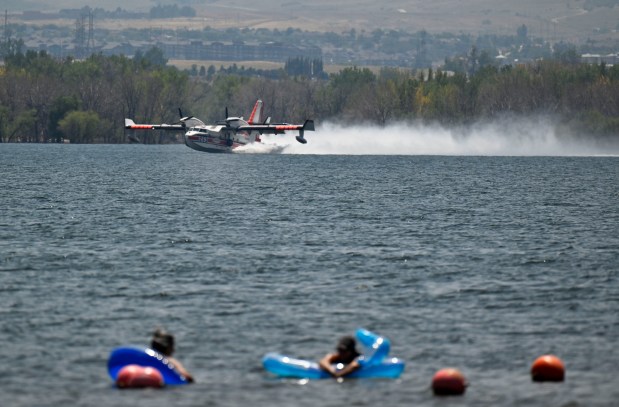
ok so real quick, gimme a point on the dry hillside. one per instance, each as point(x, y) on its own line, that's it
point(552, 19)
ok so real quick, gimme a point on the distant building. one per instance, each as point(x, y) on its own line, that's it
point(37, 15)
point(193, 50)
point(236, 51)
point(596, 59)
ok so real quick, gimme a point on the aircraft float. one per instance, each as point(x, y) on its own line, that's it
point(226, 136)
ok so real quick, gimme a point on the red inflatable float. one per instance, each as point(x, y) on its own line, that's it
point(138, 377)
point(448, 382)
point(547, 368)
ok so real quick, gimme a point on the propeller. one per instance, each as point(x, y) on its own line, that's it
point(227, 119)
point(226, 122)
point(183, 119)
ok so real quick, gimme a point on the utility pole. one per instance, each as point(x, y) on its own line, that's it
point(79, 37)
point(5, 45)
point(6, 28)
point(91, 36)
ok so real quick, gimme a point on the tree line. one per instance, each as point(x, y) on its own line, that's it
point(85, 101)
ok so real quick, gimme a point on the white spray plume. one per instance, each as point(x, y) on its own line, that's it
point(533, 137)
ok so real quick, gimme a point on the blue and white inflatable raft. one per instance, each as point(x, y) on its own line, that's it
point(374, 362)
point(141, 356)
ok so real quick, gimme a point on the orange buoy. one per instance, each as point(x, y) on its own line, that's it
point(548, 368)
point(137, 377)
point(448, 382)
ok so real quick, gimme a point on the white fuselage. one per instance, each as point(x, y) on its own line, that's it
point(216, 139)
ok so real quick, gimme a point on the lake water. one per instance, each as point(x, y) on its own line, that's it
point(479, 263)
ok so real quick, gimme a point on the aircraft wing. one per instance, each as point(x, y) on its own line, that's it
point(278, 128)
point(130, 125)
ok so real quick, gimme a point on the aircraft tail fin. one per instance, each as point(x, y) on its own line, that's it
point(256, 113)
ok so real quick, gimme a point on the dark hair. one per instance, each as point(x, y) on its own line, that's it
point(162, 342)
point(347, 344)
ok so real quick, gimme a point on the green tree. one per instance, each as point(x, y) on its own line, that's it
point(82, 127)
point(521, 33)
point(58, 109)
point(210, 72)
point(22, 129)
point(344, 86)
point(153, 58)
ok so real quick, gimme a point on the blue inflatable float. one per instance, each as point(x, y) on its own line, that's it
point(141, 356)
point(374, 363)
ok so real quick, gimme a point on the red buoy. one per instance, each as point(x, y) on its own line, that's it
point(548, 368)
point(448, 382)
point(137, 377)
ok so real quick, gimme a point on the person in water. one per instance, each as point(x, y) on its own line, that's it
point(163, 343)
point(346, 354)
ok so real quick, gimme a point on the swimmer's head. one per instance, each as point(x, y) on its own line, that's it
point(347, 344)
point(162, 342)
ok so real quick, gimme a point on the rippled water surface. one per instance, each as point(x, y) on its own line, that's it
point(479, 263)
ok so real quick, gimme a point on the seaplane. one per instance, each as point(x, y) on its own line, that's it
point(228, 135)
